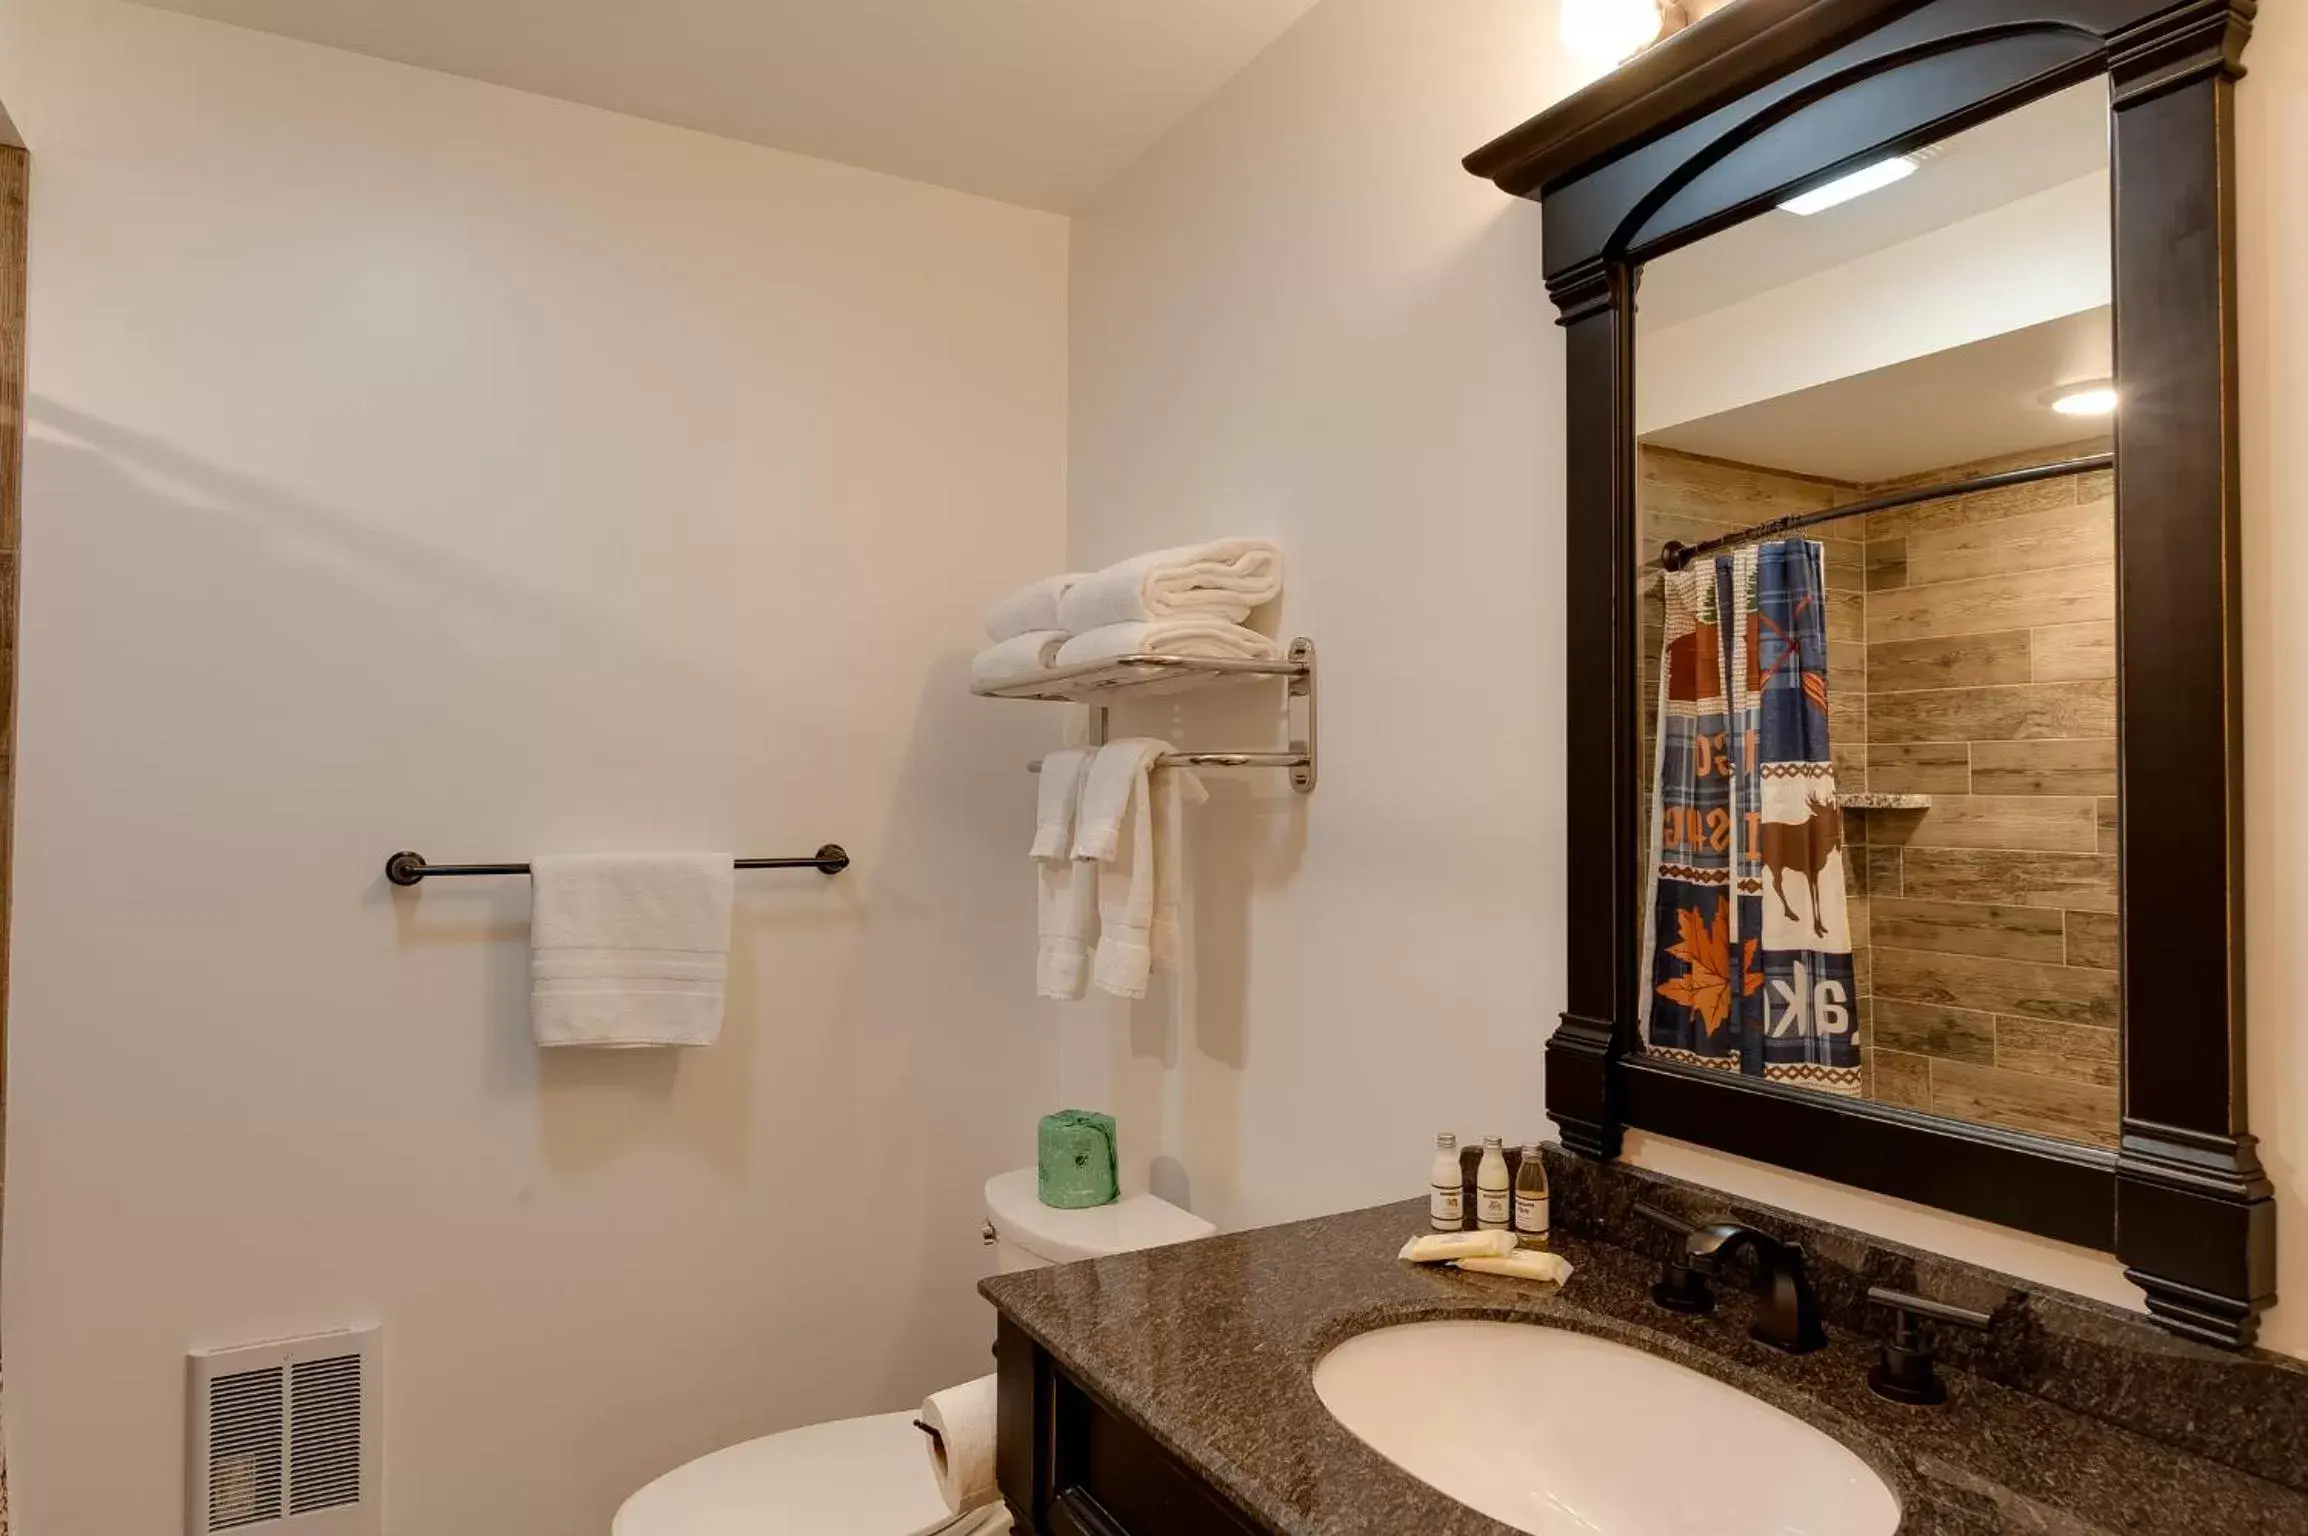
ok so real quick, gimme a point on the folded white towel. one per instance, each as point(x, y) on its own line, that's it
point(1067, 889)
point(1031, 607)
point(1129, 832)
point(1223, 579)
point(1171, 637)
point(629, 949)
point(962, 1450)
point(1034, 651)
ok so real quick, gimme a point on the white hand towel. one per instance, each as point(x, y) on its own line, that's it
point(1170, 637)
point(1034, 651)
point(1223, 579)
point(1116, 832)
point(629, 949)
point(962, 1450)
point(1068, 891)
point(1031, 607)
point(1174, 789)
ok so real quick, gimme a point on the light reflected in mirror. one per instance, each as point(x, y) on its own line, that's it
point(1880, 751)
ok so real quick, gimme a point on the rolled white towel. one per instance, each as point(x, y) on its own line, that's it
point(962, 1443)
point(1223, 579)
point(1031, 607)
point(1170, 637)
point(1019, 656)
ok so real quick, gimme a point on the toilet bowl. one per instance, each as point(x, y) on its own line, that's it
point(871, 1476)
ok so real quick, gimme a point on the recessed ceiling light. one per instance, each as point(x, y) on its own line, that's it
point(2085, 400)
point(1868, 178)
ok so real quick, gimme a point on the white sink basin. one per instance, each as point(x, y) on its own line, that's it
point(1561, 1434)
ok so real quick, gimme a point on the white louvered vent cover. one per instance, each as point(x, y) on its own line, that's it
point(285, 1438)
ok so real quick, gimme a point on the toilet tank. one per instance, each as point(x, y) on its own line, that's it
point(1029, 1234)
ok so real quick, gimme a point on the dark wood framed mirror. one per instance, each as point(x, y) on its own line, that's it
point(1751, 107)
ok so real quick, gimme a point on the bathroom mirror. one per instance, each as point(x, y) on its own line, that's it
point(1856, 256)
point(1879, 788)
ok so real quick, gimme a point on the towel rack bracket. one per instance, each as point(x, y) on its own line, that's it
point(1298, 757)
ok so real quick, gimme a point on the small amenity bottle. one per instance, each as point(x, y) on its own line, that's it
point(1494, 1203)
point(1531, 1199)
point(1446, 1201)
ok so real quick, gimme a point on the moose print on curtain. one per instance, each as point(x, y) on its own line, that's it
point(1747, 942)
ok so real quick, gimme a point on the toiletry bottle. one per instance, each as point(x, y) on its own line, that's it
point(1531, 1199)
point(1446, 1203)
point(1494, 1205)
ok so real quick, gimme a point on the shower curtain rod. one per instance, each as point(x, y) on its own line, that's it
point(1674, 555)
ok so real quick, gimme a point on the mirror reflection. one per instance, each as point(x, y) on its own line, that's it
point(1880, 758)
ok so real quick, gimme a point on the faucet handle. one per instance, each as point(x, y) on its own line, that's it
point(1682, 1286)
point(1904, 1372)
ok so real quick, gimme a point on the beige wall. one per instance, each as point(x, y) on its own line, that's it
point(421, 464)
point(1295, 315)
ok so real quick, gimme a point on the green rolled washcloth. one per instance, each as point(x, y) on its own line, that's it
point(1075, 1163)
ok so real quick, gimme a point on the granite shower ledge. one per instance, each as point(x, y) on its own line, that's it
point(1878, 800)
point(1209, 1347)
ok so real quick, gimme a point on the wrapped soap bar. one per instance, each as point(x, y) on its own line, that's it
point(1074, 1160)
point(1441, 1247)
point(1523, 1264)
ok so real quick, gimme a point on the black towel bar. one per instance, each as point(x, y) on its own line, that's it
point(408, 868)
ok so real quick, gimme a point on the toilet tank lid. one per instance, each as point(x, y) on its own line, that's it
point(1015, 1207)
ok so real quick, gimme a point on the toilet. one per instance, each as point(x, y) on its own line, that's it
point(871, 1476)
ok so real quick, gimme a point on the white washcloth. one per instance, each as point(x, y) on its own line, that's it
point(962, 1450)
point(1223, 579)
point(1068, 890)
point(1169, 637)
point(1034, 651)
point(1129, 831)
point(1029, 608)
point(629, 949)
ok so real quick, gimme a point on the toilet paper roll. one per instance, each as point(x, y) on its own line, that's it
point(962, 1445)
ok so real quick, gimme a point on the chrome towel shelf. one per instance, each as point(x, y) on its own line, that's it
point(406, 868)
point(1100, 684)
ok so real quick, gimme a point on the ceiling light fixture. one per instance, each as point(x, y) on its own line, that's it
point(1868, 178)
point(1603, 34)
point(2085, 399)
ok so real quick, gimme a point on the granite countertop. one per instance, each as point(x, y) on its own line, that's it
point(1210, 1346)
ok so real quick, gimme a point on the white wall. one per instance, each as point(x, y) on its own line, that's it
point(1297, 315)
point(421, 464)
point(2041, 258)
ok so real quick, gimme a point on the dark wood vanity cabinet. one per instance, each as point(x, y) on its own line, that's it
point(1069, 1465)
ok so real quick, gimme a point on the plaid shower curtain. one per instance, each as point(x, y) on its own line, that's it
point(1747, 942)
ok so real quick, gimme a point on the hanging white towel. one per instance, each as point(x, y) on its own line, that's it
point(629, 949)
point(1120, 822)
point(1223, 579)
point(1068, 890)
point(1169, 637)
point(1031, 607)
point(1174, 789)
point(1034, 651)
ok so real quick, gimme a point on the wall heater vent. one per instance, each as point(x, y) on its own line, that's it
point(285, 1438)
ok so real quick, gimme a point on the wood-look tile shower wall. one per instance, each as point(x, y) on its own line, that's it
point(1990, 683)
point(1971, 658)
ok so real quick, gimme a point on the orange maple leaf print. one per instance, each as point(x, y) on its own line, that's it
point(1705, 988)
